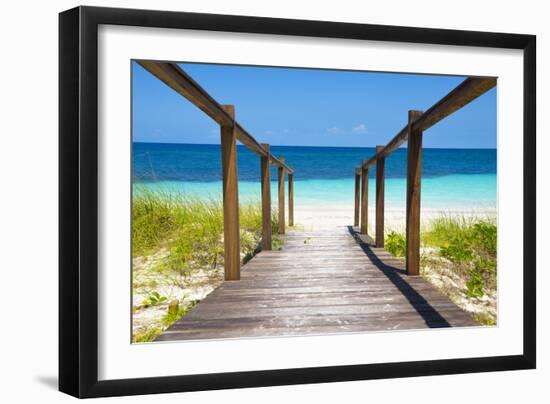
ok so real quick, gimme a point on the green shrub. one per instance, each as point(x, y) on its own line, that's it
point(152, 332)
point(458, 250)
point(277, 243)
point(395, 244)
point(485, 319)
point(484, 237)
point(471, 244)
point(474, 286)
point(148, 335)
point(183, 309)
point(153, 299)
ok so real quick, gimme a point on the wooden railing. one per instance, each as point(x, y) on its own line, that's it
point(174, 76)
point(418, 122)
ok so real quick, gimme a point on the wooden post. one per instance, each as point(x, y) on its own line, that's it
point(231, 241)
point(379, 198)
point(290, 199)
point(414, 163)
point(357, 196)
point(364, 198)
point(281, 172)
point(266, 200)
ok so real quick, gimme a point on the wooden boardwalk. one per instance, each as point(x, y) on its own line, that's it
point(320, 282)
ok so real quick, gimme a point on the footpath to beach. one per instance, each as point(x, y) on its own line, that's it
point(319, 282)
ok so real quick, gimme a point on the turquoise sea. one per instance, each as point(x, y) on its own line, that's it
point(451, 178)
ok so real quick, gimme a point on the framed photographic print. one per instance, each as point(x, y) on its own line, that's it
point(251, 201)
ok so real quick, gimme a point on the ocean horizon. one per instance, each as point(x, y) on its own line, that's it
point(452, 179)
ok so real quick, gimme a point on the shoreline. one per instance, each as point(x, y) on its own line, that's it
point(448, 192)
point(309, 217)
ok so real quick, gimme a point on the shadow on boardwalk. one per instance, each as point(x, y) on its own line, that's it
point(421, 305)
point(321, 282)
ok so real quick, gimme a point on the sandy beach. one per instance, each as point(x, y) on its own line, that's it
point(329, 215)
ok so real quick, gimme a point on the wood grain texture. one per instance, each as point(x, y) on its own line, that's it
point(357, 196)
point(231, 235)
point(266, 199)
point(364, 200)
point(334, 283)
point(281, 187)
point(414, 175)
point(467, 91)
point(380, 182)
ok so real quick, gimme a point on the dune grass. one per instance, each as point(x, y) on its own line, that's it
point(191, 228)
point(465, 246)
point(471, 245)
point(178, 241)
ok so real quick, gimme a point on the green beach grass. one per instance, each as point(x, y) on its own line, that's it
point(459, 256)
point(178, 256)
point(177, 246)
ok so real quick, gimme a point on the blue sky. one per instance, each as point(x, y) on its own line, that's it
point(282, 106)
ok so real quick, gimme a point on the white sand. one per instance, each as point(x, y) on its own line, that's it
point(324, 216)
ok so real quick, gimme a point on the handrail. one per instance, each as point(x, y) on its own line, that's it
point(174, 77)
point(467, 91)
point(177, 79)
point(463, 94)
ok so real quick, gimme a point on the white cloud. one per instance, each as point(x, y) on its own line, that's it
point(335, 130)
point(360, 129)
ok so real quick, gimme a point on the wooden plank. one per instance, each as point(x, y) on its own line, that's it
point(318, 287)
point(290, 199)
point(307, 325)
point(312, 300)
point(348, 313)
point(392, 145)
point(231, 239)
point(467, 91)
point(364, 200)
point(281, 184)
point(177, 79)
point(414, 170)
point(463, 94)
point(351, 288)
point(380, 180)
point(357, 196)
point(266, 200)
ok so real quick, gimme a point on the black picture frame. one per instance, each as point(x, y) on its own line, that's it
point(78, 201)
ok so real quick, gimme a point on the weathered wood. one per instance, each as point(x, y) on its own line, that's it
point(288, 292)
point(364, 200)
point(281, 184)
point(174, 77)
point(357, 196)
point(414, 165)
point(231, 241)
point(467, 91)
point(290, 199)
point(266, 200)
point(380, 180)
point(463, 94)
